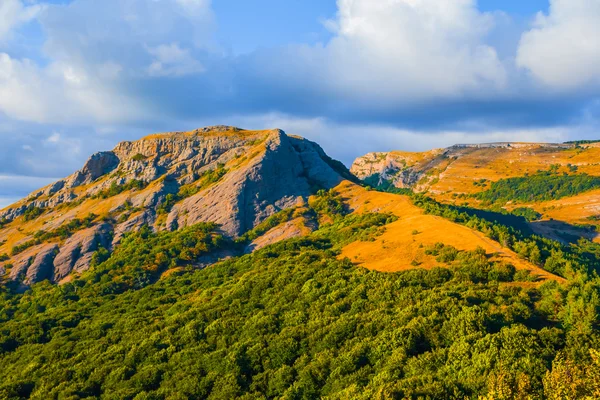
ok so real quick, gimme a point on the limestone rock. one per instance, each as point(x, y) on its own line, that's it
point(34, 264)
point(42, 267)
point(76, 253)
point(99, 164)
point(273, 181)
point(220, 174)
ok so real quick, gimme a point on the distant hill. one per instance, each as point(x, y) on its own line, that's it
point(559, 182)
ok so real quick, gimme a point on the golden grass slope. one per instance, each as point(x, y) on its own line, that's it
point(400, 247)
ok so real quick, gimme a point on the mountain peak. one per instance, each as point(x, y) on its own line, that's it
point(229, 176)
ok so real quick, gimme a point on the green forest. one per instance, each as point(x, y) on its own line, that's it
point(541, 186)
point(294, 321)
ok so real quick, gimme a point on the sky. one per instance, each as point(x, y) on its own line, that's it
point(79, 76)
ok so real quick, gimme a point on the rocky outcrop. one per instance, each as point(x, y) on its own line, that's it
point(76, 254)
point(42, 266)
point(234, 178)
point(98, 165)
point(420, 171)
point(35, 264)
point(286, 172)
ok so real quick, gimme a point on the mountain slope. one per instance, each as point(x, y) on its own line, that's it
point(465, 174)
point(225, 175)
point(404, 243)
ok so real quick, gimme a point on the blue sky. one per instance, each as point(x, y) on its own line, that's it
point(78, 76)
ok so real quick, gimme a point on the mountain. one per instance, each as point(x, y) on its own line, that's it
point(223, 263)
point(559, 183)
point(226, 175)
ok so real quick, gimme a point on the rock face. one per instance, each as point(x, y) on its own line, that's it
point(226, 175)
point(76, 253)
point(420, 171)
point(402, 169)
point(34, 265)
point(268, 183)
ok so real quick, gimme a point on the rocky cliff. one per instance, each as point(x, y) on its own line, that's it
point(454, 169)
point(226, 175)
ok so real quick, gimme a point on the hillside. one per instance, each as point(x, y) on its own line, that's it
point(228, 176)
point(491, 176)
point(223, 263)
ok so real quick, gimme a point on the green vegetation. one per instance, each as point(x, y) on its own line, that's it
point(578, 142)
point(542, 186)
point(32, 212)
point(481, 183)
point(274, 220)
point(4, 257)
point(66, 230)
point(563, 260)
point(23, 246)
point(355, 227)
point(116, 189)
point(3, 222)
point(144, 255)
point(328, 202)
point(528, 213)
point(139, 157)
point(474, 266)
point(185, 191)
point(294, 321)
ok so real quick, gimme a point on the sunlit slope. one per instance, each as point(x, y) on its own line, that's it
point(224, 175)
point(454, 170)
point(455, 174)
point(404, 242)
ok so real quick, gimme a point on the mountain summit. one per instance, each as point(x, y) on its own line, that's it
point(225, 175)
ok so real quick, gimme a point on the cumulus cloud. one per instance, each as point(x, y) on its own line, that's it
point(95, 50)
point(393, 53)
point(562, 50)
point(404, 74)
point(172, 60)
point(413, 48)
point(61, 92)
point(14, 13)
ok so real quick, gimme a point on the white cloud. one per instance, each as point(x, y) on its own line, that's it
point(99, 52)
point(563, 48)
point(14, 13)
point(59, 93)
point(172, 60)
point(407, 51)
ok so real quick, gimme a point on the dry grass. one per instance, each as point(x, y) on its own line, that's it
point(400, 247)
point(472, 164)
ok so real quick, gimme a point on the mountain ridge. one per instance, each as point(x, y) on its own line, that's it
point(225, 175)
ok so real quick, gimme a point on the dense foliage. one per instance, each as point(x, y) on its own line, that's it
point(294, 321)
point(142, 256)
point(541, 186)
point(512, 232)
point(528, 213)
